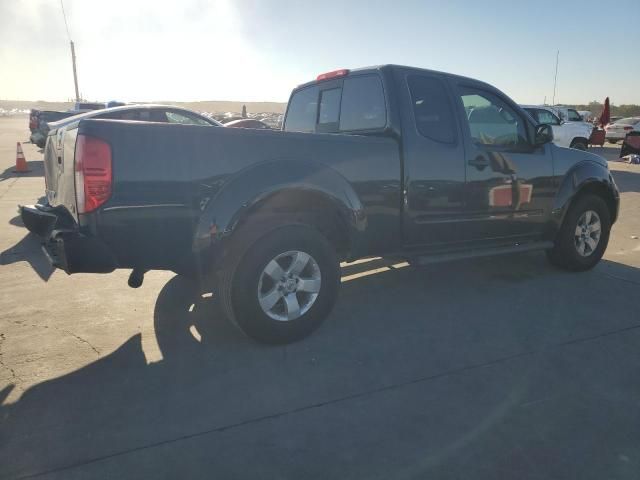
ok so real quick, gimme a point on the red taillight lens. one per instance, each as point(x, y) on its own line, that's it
point(93, 173)
point(628, 128)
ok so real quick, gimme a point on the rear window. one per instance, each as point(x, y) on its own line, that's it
point(358, 105)
point(329, 106)
point(629, 120)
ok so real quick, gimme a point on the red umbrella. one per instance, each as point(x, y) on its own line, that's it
point(605, 116)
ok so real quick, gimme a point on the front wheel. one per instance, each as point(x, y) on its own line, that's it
point(579, 145)
point(284, 285)
point(583, 236)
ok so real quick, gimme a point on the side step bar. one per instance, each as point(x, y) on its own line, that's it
point(481, 252)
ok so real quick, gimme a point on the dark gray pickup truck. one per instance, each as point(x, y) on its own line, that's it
point(385, 161)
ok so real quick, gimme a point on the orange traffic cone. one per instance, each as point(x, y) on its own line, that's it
point(21, 162)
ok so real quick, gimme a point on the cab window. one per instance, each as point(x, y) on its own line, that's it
point(492, 121)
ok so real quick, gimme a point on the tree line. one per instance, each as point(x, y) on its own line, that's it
point(595, 108)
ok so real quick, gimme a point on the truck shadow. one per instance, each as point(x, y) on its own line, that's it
point(28, 250)
point(36, 169)
point(627, 181)
point(392, 326)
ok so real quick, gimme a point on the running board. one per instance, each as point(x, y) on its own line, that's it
point(481, 252)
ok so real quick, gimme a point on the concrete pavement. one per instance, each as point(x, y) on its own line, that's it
point(497, 368)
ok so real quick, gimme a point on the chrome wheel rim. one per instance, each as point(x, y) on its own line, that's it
point(588, 233)
point(289, 285)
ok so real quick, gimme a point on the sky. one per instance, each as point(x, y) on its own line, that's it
point(253, 50)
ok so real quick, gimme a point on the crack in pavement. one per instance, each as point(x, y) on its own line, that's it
point(78, 337)
point(9, 187)
point(67, 332)
point(334, 401)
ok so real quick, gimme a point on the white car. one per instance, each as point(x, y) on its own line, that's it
point(618, 130)
point(565, 134)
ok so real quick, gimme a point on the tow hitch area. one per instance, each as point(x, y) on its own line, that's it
point(136, 278)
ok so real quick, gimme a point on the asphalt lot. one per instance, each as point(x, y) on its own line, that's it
point(496, 368)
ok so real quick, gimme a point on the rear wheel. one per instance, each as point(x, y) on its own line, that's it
point(612, 141)
point(584, 235)
point(282, 287)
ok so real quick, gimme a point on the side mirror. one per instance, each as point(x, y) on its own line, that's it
point(544, 134)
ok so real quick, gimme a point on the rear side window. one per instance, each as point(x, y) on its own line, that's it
point(303, 111)
point(329, 106)
point(363, 106)
point(432, 108)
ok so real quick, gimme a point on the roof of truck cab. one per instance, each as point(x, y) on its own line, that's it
point(390, 66)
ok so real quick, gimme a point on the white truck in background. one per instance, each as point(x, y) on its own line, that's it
point(572, 134)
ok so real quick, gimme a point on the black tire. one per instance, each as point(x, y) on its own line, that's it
point(579, 145)
point(241, 276)
point(565, 253)
point(612, 141)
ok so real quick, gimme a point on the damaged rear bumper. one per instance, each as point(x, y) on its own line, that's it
point(66, 247)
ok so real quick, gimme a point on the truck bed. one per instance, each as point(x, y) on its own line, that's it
point(165, 175)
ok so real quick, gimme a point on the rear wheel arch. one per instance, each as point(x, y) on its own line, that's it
point(296, 206)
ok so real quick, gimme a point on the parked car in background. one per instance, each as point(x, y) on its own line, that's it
point(565, 134)
point(246, 123)
point(39, 124)
point(620, 128)
point(56, 131)
point(567, 114)
point(385, 160)
point(80, 107)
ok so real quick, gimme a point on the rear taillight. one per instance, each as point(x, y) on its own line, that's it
point(628, 128)
point(93, 173)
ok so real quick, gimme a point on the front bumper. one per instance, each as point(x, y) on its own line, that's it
point(66, 247)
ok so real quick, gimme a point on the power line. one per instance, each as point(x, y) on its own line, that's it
point(64, 15)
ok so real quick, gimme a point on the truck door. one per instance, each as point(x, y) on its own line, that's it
point(509, 182)
point(434, 169)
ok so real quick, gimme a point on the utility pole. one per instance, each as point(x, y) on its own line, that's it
point(555, 79)
point(75, 73)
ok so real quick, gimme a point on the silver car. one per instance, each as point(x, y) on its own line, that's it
point(618, 130)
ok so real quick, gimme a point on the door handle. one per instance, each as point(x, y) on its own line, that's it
point(480, 162)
